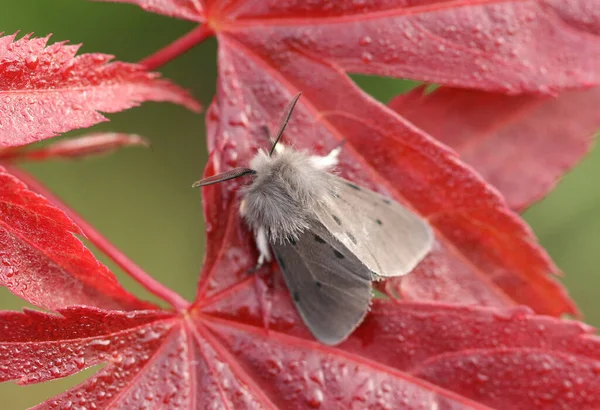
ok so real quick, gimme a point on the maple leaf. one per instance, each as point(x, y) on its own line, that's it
point(409, 354)
point(540, 137)
point(484, 252)
point(234, 347)
point(219, 353)
point(84, 146)
point(46, 90)
point(43, 262)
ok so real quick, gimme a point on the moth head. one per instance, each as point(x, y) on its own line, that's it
point(239, 172)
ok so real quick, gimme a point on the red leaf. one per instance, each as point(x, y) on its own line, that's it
point(409, 355)
point(78, 338)
point(400, 356)
point(491, 45)
point(541, 138)
point(485, 253)
point(43, 262)
point(47, 90)
point(91, 144)
point(495, 45)
point(183, 9)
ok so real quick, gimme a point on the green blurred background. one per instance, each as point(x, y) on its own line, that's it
point(142, 201)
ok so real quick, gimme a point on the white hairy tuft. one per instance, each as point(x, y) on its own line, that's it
point(286, 190)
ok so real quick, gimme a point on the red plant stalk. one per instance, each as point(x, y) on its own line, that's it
point(177, 47)
point(128, 266)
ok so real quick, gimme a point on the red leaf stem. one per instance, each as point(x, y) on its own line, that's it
point(177, 47)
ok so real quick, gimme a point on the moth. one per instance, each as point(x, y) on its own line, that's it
point(330, 237)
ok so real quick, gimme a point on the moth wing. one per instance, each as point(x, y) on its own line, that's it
point(387, 237)
point(329, 285)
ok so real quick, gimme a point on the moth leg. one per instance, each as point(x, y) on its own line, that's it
point(261, 240)
point(262, 243)
point(262, 292)
point(328, 161)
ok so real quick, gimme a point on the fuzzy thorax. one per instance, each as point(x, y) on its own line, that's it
point(286, 190)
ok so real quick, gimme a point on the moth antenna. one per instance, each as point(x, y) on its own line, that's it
point(284, 120)
point(225, 176)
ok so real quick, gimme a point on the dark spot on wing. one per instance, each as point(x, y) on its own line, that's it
point(378, 221)
point(352, 238)
point(319, 239)
point(292, 240)
point(337, 220)
point(338, 254)
point(296, 296)
point(281, 263)
point(353, 186)
point(335, 194)
point(387, 201)
point(319, 284)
